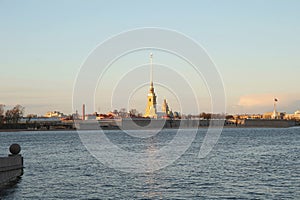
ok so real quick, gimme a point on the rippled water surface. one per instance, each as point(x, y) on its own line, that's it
point(245, 164)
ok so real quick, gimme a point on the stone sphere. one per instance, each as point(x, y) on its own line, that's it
point(14, 149)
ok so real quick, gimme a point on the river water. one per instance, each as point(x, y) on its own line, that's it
point(246, 163)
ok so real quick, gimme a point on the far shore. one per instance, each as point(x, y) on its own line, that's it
point(115, 128)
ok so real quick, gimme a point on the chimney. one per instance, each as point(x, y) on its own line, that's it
point(83, 111)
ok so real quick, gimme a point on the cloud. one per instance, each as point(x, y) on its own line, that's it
point(254, 103)
point(257, 100)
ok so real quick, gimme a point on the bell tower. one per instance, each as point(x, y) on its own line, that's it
point(151, 98)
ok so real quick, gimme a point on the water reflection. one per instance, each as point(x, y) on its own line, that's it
point(9, 190)
point(151, 179)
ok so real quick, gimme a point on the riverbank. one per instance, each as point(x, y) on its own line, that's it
point(138, 124)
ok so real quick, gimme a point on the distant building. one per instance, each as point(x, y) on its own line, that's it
point(295, 116)
point(90, 117)
point(151, 103)
point(109, 115)
point(165, 107)
point(272, 115)
point(256, 116)
point(267, 115)
point(51, 114)
point(275, 114)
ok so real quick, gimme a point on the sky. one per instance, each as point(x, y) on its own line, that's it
point(254, 44)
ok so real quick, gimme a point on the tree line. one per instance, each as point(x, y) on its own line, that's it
point(11, 115)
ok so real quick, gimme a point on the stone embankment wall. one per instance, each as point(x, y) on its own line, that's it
point(11, 167)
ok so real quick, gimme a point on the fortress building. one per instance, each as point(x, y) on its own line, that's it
point(165, 107)
point(151, 98)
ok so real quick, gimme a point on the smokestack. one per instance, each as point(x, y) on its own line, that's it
point(83, 111)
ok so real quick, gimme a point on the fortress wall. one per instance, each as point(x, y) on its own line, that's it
point(278, 123)
point(138, 124)
point(163, 123)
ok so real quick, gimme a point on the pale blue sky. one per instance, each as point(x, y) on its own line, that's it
point(255, 44)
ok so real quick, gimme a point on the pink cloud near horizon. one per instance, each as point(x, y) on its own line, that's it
point(258, 100)
point(265, 102)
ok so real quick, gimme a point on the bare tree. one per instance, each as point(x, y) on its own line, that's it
point(1, 113)
point(15, 114)
point(123, 113)
point(133, 113)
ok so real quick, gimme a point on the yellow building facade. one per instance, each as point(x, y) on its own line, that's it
point(151, 110)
